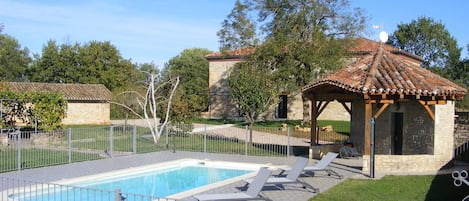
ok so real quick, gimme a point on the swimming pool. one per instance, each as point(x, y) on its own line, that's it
point(175, 179)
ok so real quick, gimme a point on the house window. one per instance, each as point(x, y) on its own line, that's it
point(281, 110)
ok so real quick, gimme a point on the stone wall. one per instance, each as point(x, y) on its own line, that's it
point(87, 113)
point(402, 164)
point(418, 128)
point(220, 106)
point(335, 111)
point(421, 163)
point(357, 126)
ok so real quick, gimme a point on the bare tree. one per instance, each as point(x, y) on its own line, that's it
point(148, 102)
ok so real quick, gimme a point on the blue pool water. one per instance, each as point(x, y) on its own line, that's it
point(159, 183)
point(166, 182)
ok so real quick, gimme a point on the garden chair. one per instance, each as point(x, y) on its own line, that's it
point(251, 193)
point(322, 165)
point(291, 178)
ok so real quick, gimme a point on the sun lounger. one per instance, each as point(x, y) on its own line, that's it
point(322, 165)
point(251, 193)
point(291, 178)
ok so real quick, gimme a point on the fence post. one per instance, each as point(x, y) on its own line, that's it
point(69, 145)
point(118, 195)
point(205, 138)
point(134, 139)
point(246, 141)
point(111, 139)
point(372, 148)
point(288, 143)
point(18, 142)
point(166, 130)
point(174, 139)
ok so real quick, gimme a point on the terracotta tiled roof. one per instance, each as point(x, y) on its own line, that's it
point(82, 92)
point(386, 70)
point(360, 45)
point(230, 54)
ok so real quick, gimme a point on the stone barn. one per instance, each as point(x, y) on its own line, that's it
point(413, 109)
point(86, 103)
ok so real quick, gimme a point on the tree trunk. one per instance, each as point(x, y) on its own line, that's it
point(251, 124)
point(306, 112)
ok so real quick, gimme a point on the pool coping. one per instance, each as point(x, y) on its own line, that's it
point(189, 161)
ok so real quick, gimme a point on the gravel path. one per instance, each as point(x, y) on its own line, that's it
point(230, 131)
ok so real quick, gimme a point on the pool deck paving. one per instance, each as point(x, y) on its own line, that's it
point(346, 167)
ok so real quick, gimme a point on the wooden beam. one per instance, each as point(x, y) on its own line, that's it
point(381, 110)
point(441, 102)
point(366, 96)
point(367, 133)
point(427, 108)
point(434, 102)
point(349, 110)
point(337, 96)
point(386, 101)
point(321, 107)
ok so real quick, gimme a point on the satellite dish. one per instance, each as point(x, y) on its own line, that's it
point(383, 36)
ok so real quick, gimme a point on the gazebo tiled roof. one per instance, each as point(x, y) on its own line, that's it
point(385, 70)
point(71, 92)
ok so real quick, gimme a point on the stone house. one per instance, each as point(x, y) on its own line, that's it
point(288, 107)
point(86, 103)
point(412, 109)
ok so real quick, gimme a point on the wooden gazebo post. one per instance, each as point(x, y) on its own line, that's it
point(314, 122)
point(368, 114)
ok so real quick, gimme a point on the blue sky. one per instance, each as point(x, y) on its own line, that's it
point(157, 30)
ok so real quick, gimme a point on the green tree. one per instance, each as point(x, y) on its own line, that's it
point(430, 40)
point(14, 60)
point(252, 89)
point(191, 97)
point(92, 63)
point(101, 63)
point(303, 39)
point(57, 64)
point(238, 29)
point(460, 74)
point(47, 109)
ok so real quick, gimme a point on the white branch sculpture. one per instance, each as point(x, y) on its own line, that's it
point(148, 104)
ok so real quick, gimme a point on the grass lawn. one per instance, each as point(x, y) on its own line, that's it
point(391, 188)
point(33, 157)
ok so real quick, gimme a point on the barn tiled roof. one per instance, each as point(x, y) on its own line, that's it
point(386, 70)
point(71, 92)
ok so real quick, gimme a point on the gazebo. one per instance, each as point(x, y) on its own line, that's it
point(411, 109)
